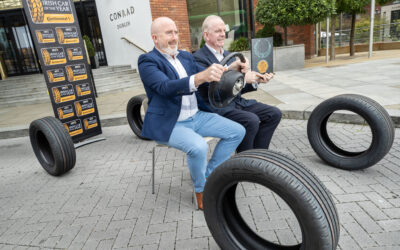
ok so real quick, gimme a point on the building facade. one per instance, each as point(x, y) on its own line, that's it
point(120, 30)
point(391, 13)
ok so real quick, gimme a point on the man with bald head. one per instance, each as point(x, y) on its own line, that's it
point(176, 114)
point(259, 119)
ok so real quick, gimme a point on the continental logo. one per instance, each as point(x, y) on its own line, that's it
point(83, 89)
point(67, 35)
point(60, 35)
point(76, 72)
point(63, 93)
point(39, 36)
point(84, 107)
point(262, 66)
point(45, 11)
point(53, 56)
point(56, 75)
point(74, 54)
point(65, 112)
point(45, 36)
point(90, 122)
point(74, 127)
point(36, 10)
point(46, 57)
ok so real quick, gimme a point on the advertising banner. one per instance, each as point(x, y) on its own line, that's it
point(55, 31)
point(262, 59)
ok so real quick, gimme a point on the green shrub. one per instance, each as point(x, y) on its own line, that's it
point(278, 41)
point(89, 46)
point(202, 42)
point(268, 31)
point(240, 44)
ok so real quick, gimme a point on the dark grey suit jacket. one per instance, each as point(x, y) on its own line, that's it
point(204, 57)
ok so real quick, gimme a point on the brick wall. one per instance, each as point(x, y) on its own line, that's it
point(298, 34)
point(301, 35)
point(177, 11)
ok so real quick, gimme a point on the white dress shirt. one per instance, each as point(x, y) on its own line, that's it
point(218, 55)
point(189, 102)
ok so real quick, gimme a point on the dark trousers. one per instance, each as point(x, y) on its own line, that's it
point(260, 121)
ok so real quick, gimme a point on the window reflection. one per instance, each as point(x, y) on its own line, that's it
point(233, 12)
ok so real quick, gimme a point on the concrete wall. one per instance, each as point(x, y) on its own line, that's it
point(117, 20)
point(289, 57)
point(285, 58)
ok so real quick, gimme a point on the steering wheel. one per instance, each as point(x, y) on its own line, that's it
point(230, 85)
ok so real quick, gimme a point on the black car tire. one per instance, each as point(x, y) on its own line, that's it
point(52, 145)
point(134, 116)
point(382, 129)
point(298, 187)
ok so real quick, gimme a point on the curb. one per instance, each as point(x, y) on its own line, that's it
point(120, 119)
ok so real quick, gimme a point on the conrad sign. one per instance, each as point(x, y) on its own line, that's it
point(121, 17)
point(121, 21)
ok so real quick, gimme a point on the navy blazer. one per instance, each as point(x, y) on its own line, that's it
point(164, 90)
point(205, 57)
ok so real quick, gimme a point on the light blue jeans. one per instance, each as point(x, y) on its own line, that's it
point(187, 136)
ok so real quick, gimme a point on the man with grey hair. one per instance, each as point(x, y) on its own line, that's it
point(259, 119)
point(175, 114)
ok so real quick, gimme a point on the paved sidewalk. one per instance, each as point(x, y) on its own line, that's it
point(295, 92)
point(105, 202)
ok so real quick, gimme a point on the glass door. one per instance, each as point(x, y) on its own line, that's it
point(24, 46)
point(233, 12)
point(16, 46)
point(90, 26)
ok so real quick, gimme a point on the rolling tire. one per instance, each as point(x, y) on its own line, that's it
point(375, 115)
point(134, 116)
point(298, 187)
point(52, 145)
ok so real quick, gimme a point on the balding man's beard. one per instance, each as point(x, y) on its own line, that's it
point(170, 51)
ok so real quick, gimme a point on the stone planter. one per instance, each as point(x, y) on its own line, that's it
point(286, 57)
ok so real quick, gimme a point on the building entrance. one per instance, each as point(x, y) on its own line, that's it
point(16, 48)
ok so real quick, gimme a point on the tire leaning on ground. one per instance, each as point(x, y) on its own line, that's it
point(298, 187)
point(134, 115)
point(382, 129)
point(52, 145)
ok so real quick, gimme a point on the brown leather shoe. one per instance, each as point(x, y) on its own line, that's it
point(199, 198)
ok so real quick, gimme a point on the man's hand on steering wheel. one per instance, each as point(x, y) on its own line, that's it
point(253, 76)
point(240, 66)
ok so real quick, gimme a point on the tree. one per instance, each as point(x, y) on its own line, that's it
point(293, 12)
point(333, 30)
point(354, 7)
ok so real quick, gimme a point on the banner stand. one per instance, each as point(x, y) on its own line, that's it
point(55, 31)
point(88, 141)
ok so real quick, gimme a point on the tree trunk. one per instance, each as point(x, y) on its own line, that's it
point(285, 29)
point(353, 28)
point(332, 51)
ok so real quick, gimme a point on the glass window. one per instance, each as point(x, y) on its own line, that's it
point(233, 12)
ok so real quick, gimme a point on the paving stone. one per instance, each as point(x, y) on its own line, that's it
point(199, 243)
point(393, 213)
point(347, 242)
point(359, 235)
point(373, 211)
point(160, 228)
point(366, 222)
point(390, 225)
point(123, 238)
point(167, 240)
